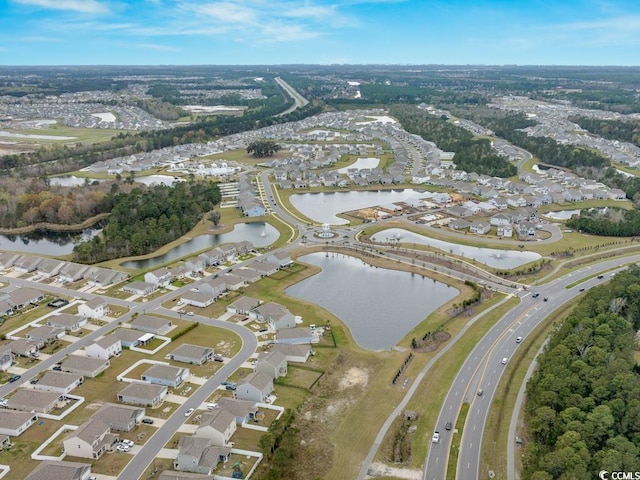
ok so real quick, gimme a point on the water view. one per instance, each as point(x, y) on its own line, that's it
point(379, 306)
point(492, 257)
point(149, 180)
point(260, 234)
point(71, 181)
point(49, 243)
point(323, 207)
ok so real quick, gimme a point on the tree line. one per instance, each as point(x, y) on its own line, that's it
point(583, 401)
point(471, 154)
point(624, 131)
point(143, 220)
point(612, 222)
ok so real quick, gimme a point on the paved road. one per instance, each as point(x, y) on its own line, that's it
point(299, 100)
point(483, 368)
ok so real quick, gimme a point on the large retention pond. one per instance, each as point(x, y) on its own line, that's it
point(379, 306)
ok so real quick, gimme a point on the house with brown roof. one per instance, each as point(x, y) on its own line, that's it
point(90, 440)
point(14, 423)
point(144, 394)
point(25, 347)
point(89, 367)
point(218, 425)
point(60, 470)
point(23, 297)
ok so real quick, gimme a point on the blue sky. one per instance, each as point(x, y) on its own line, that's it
point(236, 32)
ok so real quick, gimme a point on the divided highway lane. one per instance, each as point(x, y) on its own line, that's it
point(483, 369)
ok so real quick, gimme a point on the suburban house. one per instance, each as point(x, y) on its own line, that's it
point(229, 252)
point(120, 417)
point(296, 335)
point(50, 267)
point(24, 297)
point(243, 410)
point(504, 231)
point(72, 272)
point(500, 219)
point(294, 353)
point(243, 305)
point(161, 278)
point(273, 364)
point(233, 282)
point(192, 354)
point(60, 470)
point(144, 394)
point(206, 293)
point(14, 423)
point(255, 387)
point(212, 257)
point(282, 259)
point(131, 338)
point(139, 288)
point(263, 268)
point(89, 367)
point(199, 455)
point(276, 315)
point(218, 425)
point(104, 348)
point(90, 440)
point(45, 335)
point(70, 323)
point(6, 358)
point(59, 382)
point(103, 277)
point(25, 347)
point(26, 263)
point(459, 224)
point(94, 308)
point(480, 228)
point(29, 400)
point(150, 324)
point(165, 375)
point(248, 275)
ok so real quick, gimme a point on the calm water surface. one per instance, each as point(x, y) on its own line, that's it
point(378, 305)
point(260, 234)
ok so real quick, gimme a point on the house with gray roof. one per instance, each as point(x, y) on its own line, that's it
point(294, 353)
point(72, 272)
point(6, 358)
point(139, 288)
point(29, 400)
point(218, 425)
point(276, 315)
point(91, 440)
point(263, 268)
point(255, 387)
point(59, 382)
point(151, 324)
point(282, 259)
point(161, 277)
point(248, 275)
point(86, 366)
point(243, 305)
point(14, 423)
point(243, 410)
point(192, 354)
point(24, 347)
point(166, 375)
point(199, 455)
point(60, 470)
point(273, 363)
point(144, 394)
point(121, 418)
point(94, 308)
point(24, 297)
point(45, 334)
point(26, 263)
point(104, 348)
point(66, 321)
point(297, 335)
point(131, 338)
point(104, 277)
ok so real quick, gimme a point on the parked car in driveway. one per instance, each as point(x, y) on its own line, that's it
point(148, 421)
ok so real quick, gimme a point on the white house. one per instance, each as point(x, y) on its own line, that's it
point(94, 308)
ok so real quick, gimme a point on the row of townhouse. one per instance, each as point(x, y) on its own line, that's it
point(65, 272)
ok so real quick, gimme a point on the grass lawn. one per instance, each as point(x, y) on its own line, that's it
point(299, 377)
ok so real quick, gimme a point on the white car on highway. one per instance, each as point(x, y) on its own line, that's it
point(436, 437)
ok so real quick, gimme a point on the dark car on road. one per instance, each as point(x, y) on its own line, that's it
point(447, 426)
point(14, 378)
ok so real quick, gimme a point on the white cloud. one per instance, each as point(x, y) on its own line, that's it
point(81, 6)
point(155, 46)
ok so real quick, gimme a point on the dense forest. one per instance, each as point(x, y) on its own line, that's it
point(583, 401)
point(610, 222)
point(625, 131)
point(472, 155)
point(142, 221)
